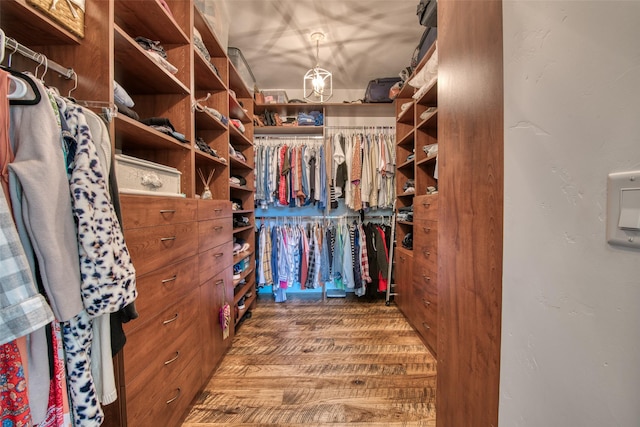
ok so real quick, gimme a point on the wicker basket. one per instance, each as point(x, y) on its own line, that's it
point(62, 14)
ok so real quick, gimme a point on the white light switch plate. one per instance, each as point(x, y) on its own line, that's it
point(620, 183)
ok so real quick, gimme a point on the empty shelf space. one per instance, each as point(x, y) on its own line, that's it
point(149, 19)
point(205, 77)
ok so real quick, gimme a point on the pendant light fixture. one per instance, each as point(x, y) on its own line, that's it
point(318, 82)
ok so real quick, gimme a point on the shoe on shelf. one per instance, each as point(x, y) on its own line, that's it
point(241, 304)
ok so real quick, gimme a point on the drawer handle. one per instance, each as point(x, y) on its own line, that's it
point(176, 396)
point(218, 228)
point(173, 319)
point(427, 253)
point(218, 255)
point(164, 239)
point(403, 259)
point(217, 210)
point(426, 278)
point(167, 211)
point(170, 361)
point(175, 276)
point(220, 282)
point(425, 302)
point(426, 229)
point(426, 326)
point(426, 205)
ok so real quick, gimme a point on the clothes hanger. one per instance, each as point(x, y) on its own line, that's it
point(31, 84)
point(19, 88)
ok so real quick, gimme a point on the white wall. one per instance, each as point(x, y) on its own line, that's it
point(571, 303)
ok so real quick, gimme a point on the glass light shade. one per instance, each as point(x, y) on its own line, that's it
point(318, 85)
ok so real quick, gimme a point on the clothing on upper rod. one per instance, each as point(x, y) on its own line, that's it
point(363, 168)
point(55, 215)
point(290, 173)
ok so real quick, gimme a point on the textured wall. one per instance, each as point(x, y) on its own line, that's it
point(570, 336)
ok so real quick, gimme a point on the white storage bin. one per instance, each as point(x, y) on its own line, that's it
point(137, 176)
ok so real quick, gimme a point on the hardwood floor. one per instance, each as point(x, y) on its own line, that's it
point(313, 363)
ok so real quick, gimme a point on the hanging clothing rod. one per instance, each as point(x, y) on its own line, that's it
point(360, 127)
point(12, 46)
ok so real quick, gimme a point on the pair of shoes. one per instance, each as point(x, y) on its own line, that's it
point(241, 304)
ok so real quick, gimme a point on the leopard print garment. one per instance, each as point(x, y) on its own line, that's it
point(107, 274)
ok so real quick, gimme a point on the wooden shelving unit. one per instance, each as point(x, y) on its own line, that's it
point(192, 275)
point(416, 268)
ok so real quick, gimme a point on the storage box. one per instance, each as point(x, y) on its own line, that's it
point(216, 14)
point(237, 59)
point(275, 96)
point(137, 176)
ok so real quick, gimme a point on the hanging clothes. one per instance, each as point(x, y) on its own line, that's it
point(363, 164)
point(290, 172)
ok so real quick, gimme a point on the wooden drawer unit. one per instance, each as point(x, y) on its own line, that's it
point(214, 232)
point(162, 287)
point(155, 247)
point(213, 209)
point(146, 211)
point(425, 207)
point(213, 261)
point(163, 400)
point(154, 343)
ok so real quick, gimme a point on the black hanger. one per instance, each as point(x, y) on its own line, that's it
point(31, 84)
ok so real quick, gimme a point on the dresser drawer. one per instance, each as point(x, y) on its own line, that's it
point(425, 261)
point(155, 247)
point(425, 230)
point(163, 286)
point(425, 278)
point(163, 400)
point(213, 261)
point(212, 209)
point(148, 344)
point(214, 232)
point(425, 207)
point(426, 302)
point(147, 211)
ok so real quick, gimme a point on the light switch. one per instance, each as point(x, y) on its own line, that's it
point(623, 209)
point(629, 209)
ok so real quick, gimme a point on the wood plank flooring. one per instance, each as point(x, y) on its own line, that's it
point(314, 363)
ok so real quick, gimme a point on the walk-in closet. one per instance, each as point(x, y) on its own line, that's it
point(250, 213)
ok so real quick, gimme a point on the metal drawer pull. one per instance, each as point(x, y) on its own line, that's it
point(217, 210)
point(164, 211)
point(220, 282)
point(219, 227)
point(426, 326)
point(426, 205)
point(427, 253)
point(173, 319)
point(175, 276)
point(425, 302)
point(427, 278)
point(426, 229)
point(170, 361)
point(174, 398)
point(164, 239)
point(403, 259)
point(218, 255)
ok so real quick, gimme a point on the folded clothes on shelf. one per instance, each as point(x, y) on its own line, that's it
point(163, 124)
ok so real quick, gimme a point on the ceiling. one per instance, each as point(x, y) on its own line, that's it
point(364, 39)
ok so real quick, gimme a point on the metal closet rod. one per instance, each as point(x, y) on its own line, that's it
point(359, 127)
point(12, 46)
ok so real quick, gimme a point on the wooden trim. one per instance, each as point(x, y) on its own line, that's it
point(471, 174)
